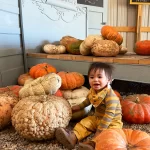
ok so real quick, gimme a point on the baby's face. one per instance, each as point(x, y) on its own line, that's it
point(98, 79)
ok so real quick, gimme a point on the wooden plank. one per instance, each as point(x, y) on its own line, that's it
point(103, 59)
point(145, 61)
point(82, 58)
point(66, 57)
point(53, 56)
point(129, 59)
point(125, 29)
point(139, 22)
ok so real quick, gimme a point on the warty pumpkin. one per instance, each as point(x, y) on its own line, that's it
point(42, 69)
point(71, 80)
point(37, 117)
point(136, 108)
point(122, 139)
point(105, 48)
point(110, 33)
point(142, 47)
point(86, 45)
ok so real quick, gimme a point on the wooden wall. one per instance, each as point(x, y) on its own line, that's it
point(11, 55)
point(123, 14)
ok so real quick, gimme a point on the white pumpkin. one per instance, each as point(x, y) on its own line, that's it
point(76, 97)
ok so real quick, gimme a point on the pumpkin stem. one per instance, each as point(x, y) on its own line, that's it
point(137, 100)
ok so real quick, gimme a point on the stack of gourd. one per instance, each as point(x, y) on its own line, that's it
point(73, 90)
point(38, 111)
point(106, 44)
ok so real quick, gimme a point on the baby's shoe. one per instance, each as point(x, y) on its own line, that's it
point(66, 137)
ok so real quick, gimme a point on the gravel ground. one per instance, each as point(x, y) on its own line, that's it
point(11, 140)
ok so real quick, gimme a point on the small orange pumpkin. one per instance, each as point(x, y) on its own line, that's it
point(58, 93)
point(40, 70)
point(13, 88)
point(142, 47)
point(110, 33)
point(23, 78)
point(71, 80)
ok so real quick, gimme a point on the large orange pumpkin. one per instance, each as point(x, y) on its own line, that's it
point(136, 108)
point(122, 139)
point(71, 80)
point(142, 47)
point(110, 33)
point(40, 70)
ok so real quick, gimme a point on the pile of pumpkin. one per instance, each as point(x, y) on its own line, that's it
point(106, 44)
point(43, 103)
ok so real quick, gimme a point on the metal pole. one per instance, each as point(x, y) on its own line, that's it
point(22, 35)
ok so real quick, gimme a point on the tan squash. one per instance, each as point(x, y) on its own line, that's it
point(54, 49)
point(76, 97)
point(48, 84)
point(86, 45)
point(105, 48)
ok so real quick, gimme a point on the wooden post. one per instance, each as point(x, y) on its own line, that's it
point(139, 23)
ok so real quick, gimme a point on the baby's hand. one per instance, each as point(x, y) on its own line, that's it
point(75, 108)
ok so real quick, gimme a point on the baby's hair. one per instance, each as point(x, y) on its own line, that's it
point(98, 65)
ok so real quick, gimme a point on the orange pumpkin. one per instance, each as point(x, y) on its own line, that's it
point(110, 33)
point(142, 47)
point(71, 80)
point(122, 139)
point(136, 108)
point(40, 70)
point(58, 93)
point(23, 78)
point(13, 88)
point(118, 94)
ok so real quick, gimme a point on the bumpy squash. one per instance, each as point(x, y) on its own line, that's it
point(109, 33)
point(71, 80)
point(105, 48)
point(122, 139)
point(142, 47)
point(37, 117)
point(73, 47)
point(40, 70)
point(48, 84)
point(86, 45)
point(54, 49)
point(67, 39)
point(136, 108)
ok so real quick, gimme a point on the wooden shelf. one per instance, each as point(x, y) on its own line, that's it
point(128, 67)
point(128, 58)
